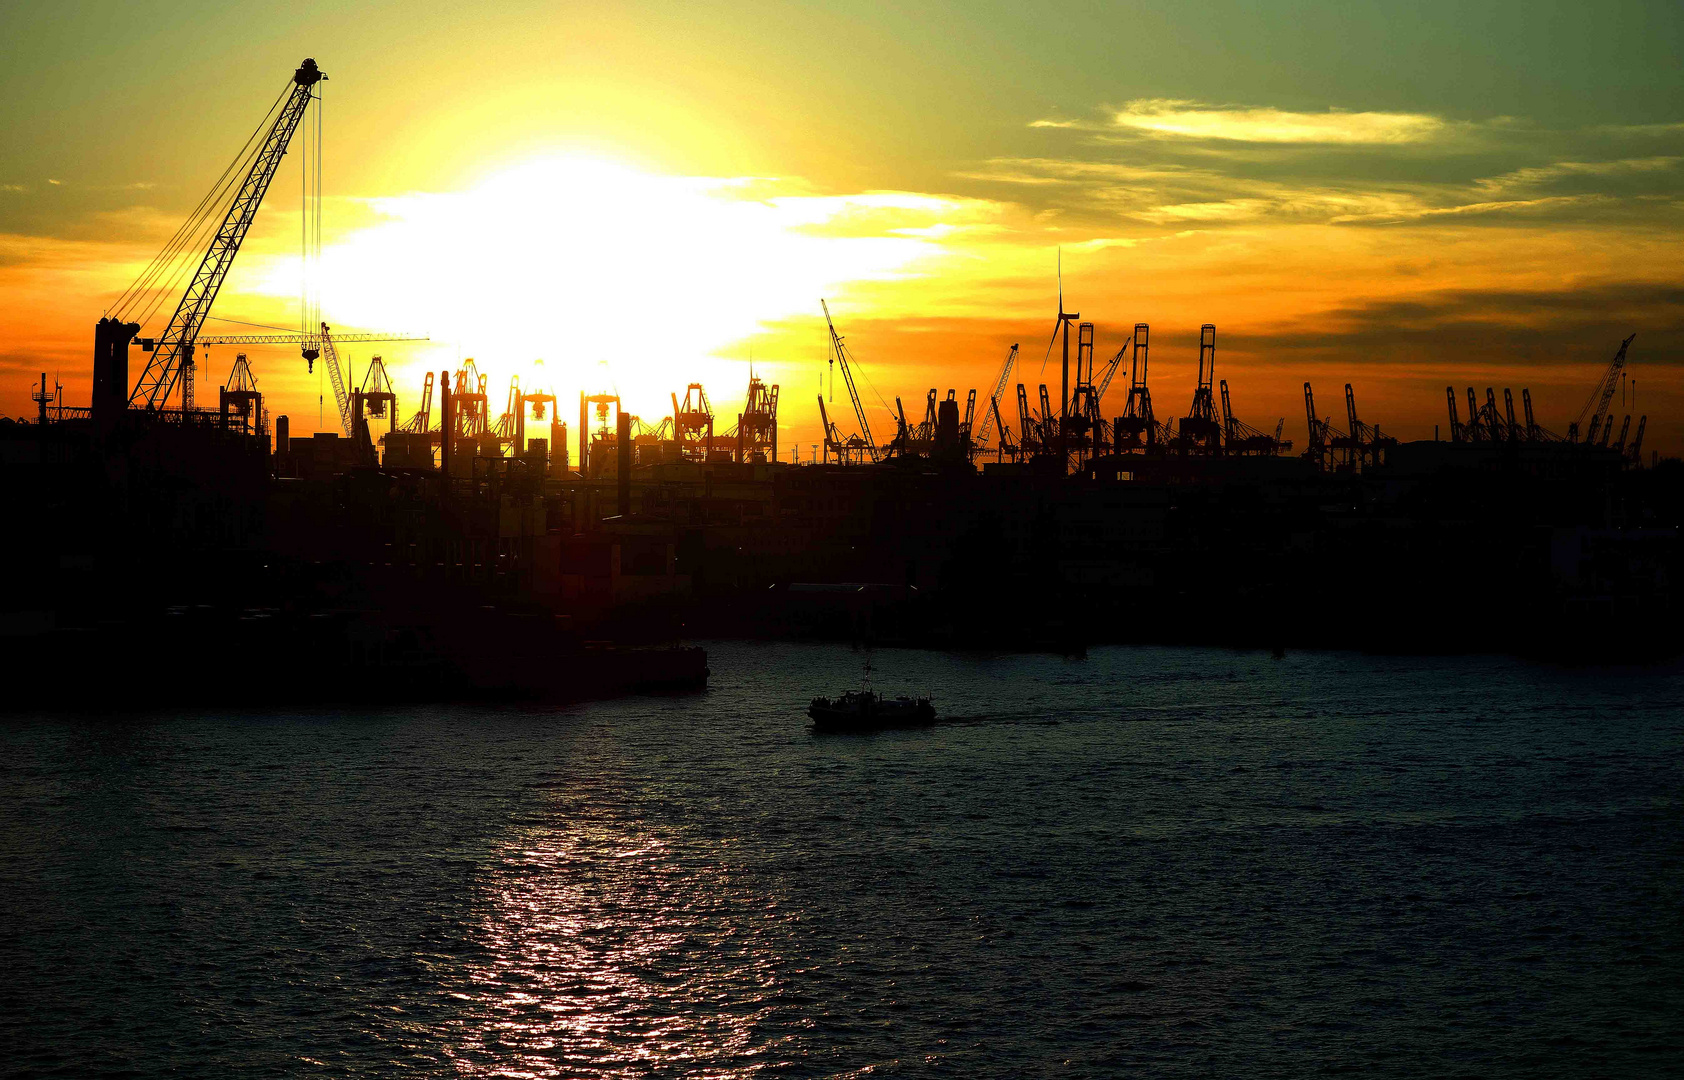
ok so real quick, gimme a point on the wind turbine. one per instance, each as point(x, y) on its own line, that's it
point(1062, 322)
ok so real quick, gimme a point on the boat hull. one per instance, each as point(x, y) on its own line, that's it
point(880, 716)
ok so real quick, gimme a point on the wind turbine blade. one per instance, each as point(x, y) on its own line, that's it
point(1048, 355)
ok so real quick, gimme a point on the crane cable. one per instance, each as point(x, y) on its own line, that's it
point(184, 233)
point(310, 222)
point(182, 240)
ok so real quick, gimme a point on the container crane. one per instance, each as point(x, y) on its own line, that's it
point(1201, 432)
point(1028, 440)
point(1239, 437)
point(1137, 427)
point(692, 423)
point(1323, 434)
point(422, 421)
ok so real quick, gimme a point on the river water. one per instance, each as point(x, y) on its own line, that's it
point(1178, 862)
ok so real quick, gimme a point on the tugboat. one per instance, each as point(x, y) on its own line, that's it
point(863, 710)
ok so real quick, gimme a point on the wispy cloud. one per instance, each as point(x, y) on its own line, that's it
point(1180, 119)
point(1539, 175)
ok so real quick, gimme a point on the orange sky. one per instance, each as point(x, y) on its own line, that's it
point(642, 197)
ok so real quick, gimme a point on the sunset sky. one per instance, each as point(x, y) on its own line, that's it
point(642, 195)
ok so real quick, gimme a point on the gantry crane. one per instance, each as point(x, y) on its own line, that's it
point(1200, 431)
point(757, 424)
point(1137, 428)
point(422, 421)
point(1323, 434)
point(692, 423)
point(1239, 437)
point(508, 423)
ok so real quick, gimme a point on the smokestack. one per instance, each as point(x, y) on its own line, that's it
point(584, 433)
point(947, 428)
point(111, 370)
point(624, 440)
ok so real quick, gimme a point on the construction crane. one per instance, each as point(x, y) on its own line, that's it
point(850, 449)
point(337, 378)
point(1636, 451)
point(309, 341)
point(1111, 368)
point(989, 413)
point(171, 362)
point(1005, 447)
point(1596, 406)
point(839, 355)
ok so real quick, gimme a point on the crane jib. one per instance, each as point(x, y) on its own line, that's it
point(175, 345)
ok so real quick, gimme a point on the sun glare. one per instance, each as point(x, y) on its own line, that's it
point(606, 271)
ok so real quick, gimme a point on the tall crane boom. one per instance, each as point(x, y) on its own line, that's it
point(839, 353)
point(1601, 396)
point(999, 388)
point(337, 378)
point(175, 346)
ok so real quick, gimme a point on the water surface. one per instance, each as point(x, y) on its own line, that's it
point(1178, 862)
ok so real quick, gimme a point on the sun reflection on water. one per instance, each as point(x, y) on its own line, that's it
point(610, 951)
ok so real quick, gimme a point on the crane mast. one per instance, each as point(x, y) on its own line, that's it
point(173, 356)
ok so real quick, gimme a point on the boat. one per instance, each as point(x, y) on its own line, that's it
point(863, 710)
